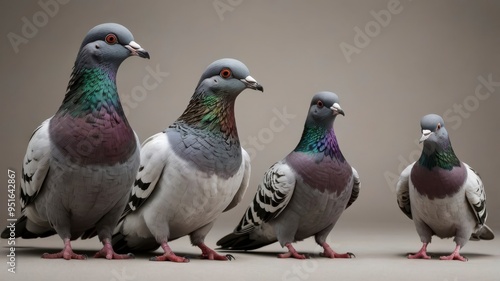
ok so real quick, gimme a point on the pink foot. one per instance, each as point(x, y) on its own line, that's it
point(108, 253)
point(454, 256)
point(209, 254)
point(422, 254)
point(66, 253)
point(292, 253)
point(168, 255)
point(329, 253)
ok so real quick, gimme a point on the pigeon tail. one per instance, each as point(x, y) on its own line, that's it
point(243, 241)
point(121, 244)
point(485, 233)
point(23, 232)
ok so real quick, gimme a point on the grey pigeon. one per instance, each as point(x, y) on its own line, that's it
point(444, 196)
point(192, 171)
point(80, 163)
point(304, 194)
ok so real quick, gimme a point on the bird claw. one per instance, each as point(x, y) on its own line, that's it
point(294, 255)
point(171, 257)
point(454, 257)
point(332, 255)
point(230, 257)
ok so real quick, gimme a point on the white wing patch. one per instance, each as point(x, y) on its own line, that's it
point(244, 182)
point(153, 160)
point(474, 192)
point(355, 187)
point(403, 191)
point(35, 164)
point(272, 197)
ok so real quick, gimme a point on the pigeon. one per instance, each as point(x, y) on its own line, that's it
point(80, 163)
point(442, 195)
point(192, 171)
point(305, 193)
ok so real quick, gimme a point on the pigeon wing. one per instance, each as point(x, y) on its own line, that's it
point(35, 164)
point(403, 191)
point(272, 197)
point(244, 182)
point(474, 192)
point(154, 154)
point(355, 188)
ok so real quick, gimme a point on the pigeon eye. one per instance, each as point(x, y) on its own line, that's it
point(225, 73)
point(438, 126)
point(111, 39)
point(319, 104)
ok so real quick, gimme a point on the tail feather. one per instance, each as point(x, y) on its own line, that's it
point(124, 244)
point(21, 231)
point(242, 241)
point(485, 233)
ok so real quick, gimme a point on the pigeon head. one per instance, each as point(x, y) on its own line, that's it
point(227, 77)
point(433, 130)
point(318, 136)
point(93, 79)
point(435, 138)
point(324, 108)
point(109, 44)
point(211, 107)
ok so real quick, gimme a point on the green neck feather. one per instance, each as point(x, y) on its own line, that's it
point(212, 113)
point(91, 90)
point(445, 159)
point(317, 139)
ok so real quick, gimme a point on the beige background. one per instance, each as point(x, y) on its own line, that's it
point(429, 58)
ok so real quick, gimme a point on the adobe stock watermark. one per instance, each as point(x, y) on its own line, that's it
point(223, 6)
point(453, 118)
point(254, 144)
point(139, 93)
point(123, 275)
point(363, 37)
point(301, 270)
point(11, 220)
point(32, 25)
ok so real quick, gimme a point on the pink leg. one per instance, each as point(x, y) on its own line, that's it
point(291, 253)
point(108, 253)
point(329, 253)
point(454, 256)
point(66, 253)
point(207, 253)
point(168, 255)
point(422, 254)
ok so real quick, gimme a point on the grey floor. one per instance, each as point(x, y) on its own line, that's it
point(380, 255)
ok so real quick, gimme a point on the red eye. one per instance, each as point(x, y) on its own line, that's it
point(111, 39)
point(225, 73)
point(319, 104)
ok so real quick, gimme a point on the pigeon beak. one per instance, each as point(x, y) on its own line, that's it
point(252, 83)
point(337, 109)
point(136, 50)
point(425, 135)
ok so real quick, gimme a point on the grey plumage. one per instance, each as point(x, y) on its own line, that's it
point(192, 171)
point(79, 164)
point(304, 194)
point(444, 196)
